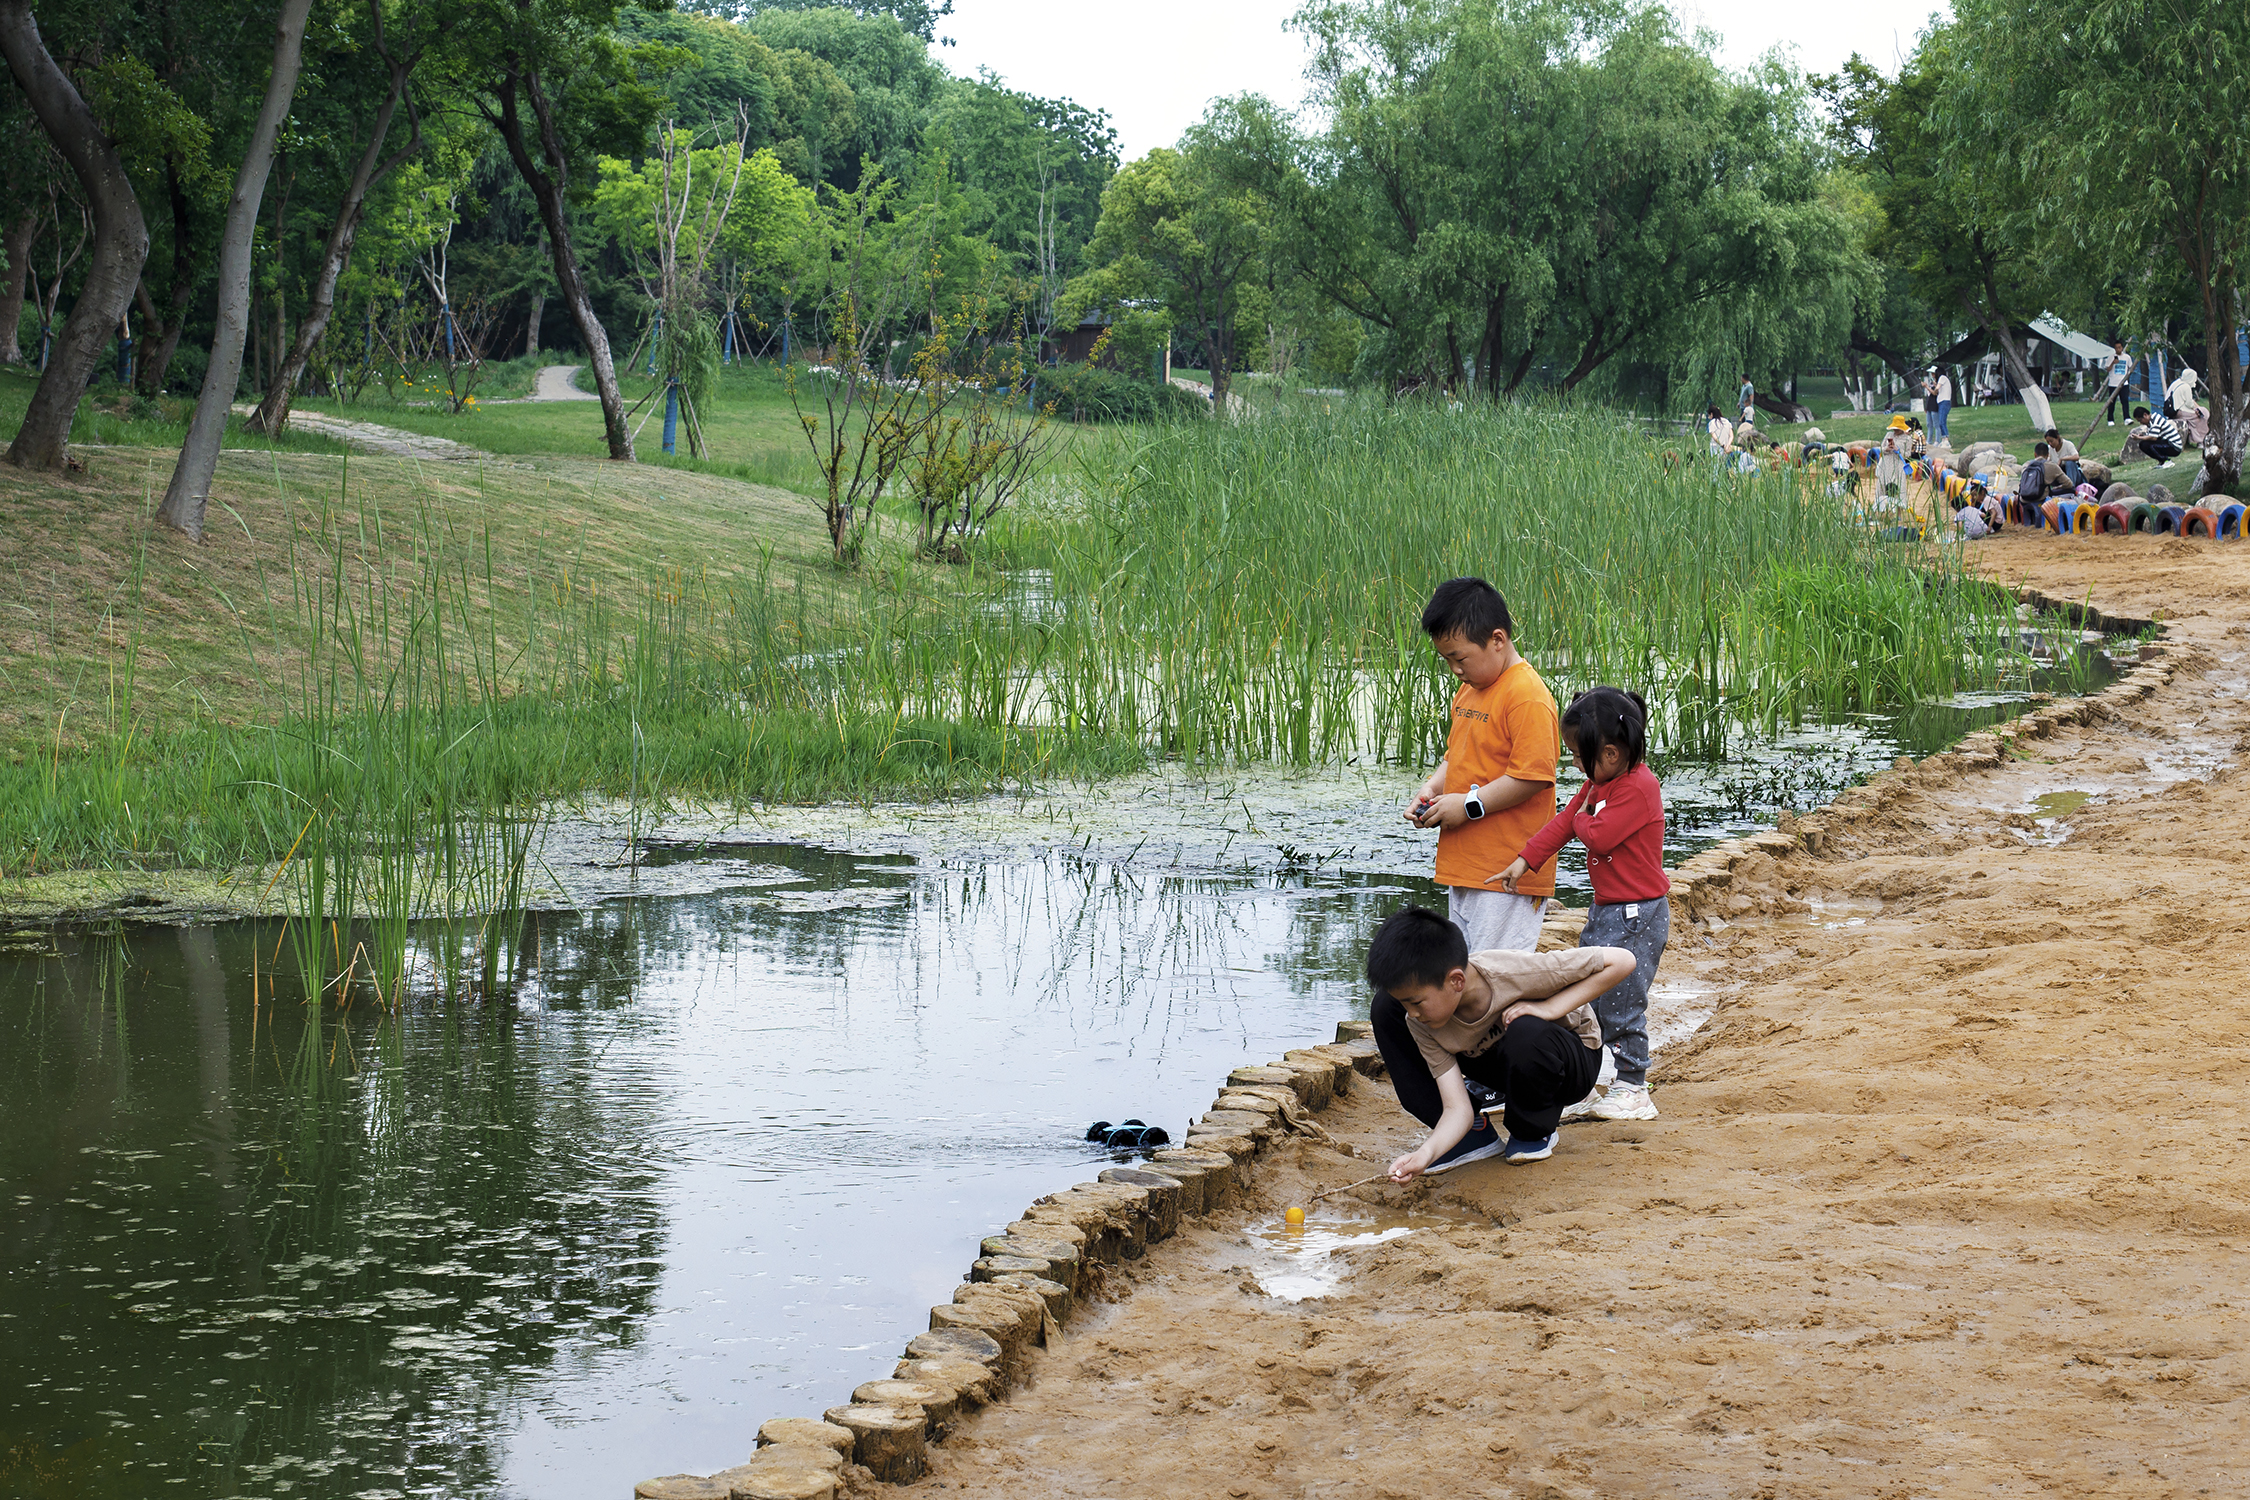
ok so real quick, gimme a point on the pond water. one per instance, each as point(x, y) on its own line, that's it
point(743, 1120)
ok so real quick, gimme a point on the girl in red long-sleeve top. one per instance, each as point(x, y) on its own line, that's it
point(1619, 816)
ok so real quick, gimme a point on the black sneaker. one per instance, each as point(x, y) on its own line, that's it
point(1479, 1144)
point(1483, 1097)
point(1531, 1148)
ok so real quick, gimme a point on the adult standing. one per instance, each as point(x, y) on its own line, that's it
point(1941, 405)
point(1747, 399)
point(2120, 371)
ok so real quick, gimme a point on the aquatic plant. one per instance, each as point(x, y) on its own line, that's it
point(1211, 591)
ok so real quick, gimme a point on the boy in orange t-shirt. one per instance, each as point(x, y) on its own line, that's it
point(1496, 786)
point(1486, 799)
point(1494, 789)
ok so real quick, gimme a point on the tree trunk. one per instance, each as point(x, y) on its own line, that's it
point(1788, 411)
point(2223, 450)
point(272, 415)
point(120, 240)
point(1219, 347)
point(160, 337)
point(190, 490)
point(547, 184)
point(16, 244)
point(159, 342)
point(531, 324)
point(2011, 355)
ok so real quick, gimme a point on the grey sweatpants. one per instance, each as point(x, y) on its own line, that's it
point(1642, 927)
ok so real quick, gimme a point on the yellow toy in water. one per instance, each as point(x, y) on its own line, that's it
point(1294, 1216)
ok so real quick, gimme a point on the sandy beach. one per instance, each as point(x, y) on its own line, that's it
point(1945, 1200)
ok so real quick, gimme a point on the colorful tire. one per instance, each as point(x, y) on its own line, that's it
point(2230, 521)
point(2051, 510)
point(2168, 519)
point(2200, 520)
point(2143, 517)
point(2109, 518)
point(2081, 517)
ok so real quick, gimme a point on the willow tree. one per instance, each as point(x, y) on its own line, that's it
point(2139, 108)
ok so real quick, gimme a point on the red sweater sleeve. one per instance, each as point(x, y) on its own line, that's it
point(1548, 841)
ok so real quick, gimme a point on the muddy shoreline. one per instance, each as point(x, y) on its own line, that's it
point(1944, 1199)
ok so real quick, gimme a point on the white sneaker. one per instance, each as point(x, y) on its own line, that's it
point(1583, 1107)
point(1625, 1101)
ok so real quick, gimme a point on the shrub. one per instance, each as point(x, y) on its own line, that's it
point(1086, 392)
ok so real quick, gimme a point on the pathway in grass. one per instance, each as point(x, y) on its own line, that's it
point(559, 383)
point(374, 438)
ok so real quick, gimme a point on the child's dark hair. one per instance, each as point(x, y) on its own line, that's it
point(1603, 716)
point(1469, 608)
point(1414, 946)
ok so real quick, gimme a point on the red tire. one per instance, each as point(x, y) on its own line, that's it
point(2111, 518)
point(2200, 520)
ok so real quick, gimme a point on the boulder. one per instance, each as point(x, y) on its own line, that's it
point(2117, 493)
point(2097, 473)
point(2159, 495)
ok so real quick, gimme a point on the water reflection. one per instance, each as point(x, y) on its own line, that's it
point(714, 1164)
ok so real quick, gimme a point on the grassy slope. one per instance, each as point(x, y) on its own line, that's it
point(99, 600)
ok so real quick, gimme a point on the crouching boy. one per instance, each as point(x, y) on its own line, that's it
point(1521, 1023)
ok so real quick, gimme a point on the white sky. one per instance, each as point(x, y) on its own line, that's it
point(1153, 64)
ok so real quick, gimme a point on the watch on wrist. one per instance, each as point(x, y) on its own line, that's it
point(1473, 804)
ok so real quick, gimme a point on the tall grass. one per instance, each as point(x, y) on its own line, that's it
point(1207, 591)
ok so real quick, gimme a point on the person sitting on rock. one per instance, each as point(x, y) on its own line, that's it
point(2054, 474)
point(2153, 437)
point(1520, 1023)
point(2065, 452)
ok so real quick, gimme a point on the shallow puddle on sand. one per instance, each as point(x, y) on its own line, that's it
point(1297, 1262)
point(2059, 804)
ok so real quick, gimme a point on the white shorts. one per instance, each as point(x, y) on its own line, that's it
point(1495, 919)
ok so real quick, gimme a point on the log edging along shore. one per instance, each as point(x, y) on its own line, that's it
point(1031, 1276)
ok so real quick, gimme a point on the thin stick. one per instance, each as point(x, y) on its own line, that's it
point(1347, 1187)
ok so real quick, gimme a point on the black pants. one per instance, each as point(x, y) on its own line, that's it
point(2159, 450)
point(2117, 397)
point(1540, 1067)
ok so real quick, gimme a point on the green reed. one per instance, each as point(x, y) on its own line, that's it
point(1212, 591)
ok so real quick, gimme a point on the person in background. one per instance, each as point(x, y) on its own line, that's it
point(1941, 406)
point(1722, 433)
point(2120, 371)
point(1747, 399)
point(2179, 396)
point(2152, 437)
point(2065, 452)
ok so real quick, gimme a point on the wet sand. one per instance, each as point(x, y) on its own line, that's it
point(1946, 1199)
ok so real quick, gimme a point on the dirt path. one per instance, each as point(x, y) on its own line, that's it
point(1947, 1198)
point(375, 438)
point(554, 383)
